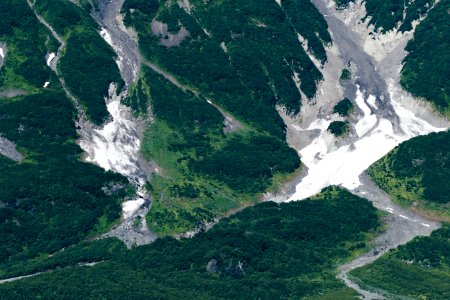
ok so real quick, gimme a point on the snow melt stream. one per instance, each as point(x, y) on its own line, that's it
point(344, 165)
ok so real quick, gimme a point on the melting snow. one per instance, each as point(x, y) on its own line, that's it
point(131, 207)
point(344, 165)
point(115, 146)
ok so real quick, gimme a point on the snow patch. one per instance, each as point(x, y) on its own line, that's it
point(50, 57)
point(224, 47)
point(46, 84)
point(372, 101)
point(115, 146)
point(106, 36)
point(2, 54)
point(129, 208)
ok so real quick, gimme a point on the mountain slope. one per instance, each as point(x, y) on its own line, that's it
point(267, 251)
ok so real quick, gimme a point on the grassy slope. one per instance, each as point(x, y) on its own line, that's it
point(51, 199)
point(268, 251)
point(205, 173)
point(416, 173)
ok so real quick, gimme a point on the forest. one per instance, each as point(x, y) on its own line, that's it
point(268, 251)
point(51, 199)
point(87, 64)
point(262, 52)
point(419, 269)
point(427, 66)
point(387, 15)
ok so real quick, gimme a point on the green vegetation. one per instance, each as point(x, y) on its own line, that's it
point(269, 251)
point(387, 15)
point(87, 64)
point(344, 107)
point(419, 269)
point(427, 66)
point(416, 173)
point(24, 67)
point(346, 74)
point(51, 199)
point(205, 173)
point(338, 128)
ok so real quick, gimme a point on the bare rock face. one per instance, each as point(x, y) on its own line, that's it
point(168, 39)
point(212, 267)
point(8, 149)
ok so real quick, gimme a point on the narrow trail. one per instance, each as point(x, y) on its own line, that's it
point(81, 264)
point(230, 123)
point(54, 62)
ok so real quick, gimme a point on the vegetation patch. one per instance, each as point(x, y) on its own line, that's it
point(344, 107)
point(345, 74)
point(204, 173)
point(338, 128)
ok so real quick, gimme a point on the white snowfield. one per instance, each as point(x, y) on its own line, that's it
point(50, 57)
point(115, 146)
point(2, 54)
point(344, 165)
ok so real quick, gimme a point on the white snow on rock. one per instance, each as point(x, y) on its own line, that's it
point(372, 101)
point(106, 36)
point(50, 57)
point(129, 208)
point(344, 165)
point(2, 54)
point(46, 84)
